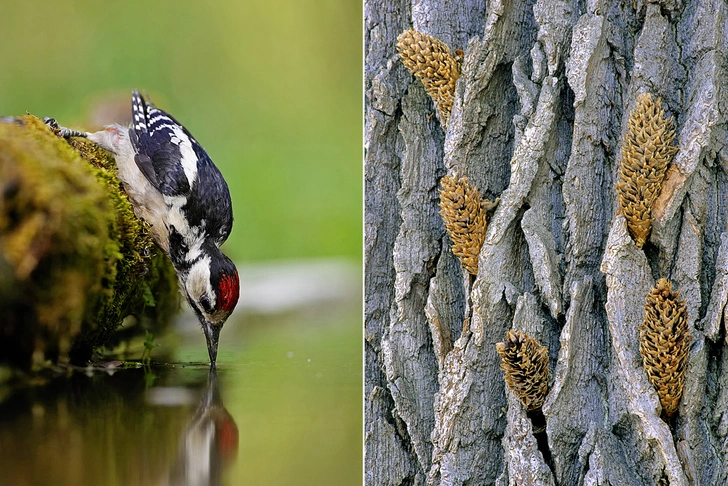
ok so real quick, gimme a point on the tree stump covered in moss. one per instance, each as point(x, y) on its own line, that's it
point(74, 259)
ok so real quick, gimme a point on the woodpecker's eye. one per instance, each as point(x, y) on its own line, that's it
point(205, 303)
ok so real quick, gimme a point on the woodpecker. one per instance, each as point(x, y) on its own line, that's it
point(174, 186)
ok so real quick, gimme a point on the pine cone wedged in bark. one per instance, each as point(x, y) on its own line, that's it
point(463, 212)
point(665, 343)
point(647, 150)
point(526, 366)
point(432, 62)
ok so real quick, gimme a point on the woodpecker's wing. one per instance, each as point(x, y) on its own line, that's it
point(176, 165)
point(158, 148)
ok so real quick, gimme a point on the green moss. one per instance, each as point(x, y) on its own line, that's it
point(73, 257)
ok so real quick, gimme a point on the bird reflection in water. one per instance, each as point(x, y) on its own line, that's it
point(209, 443)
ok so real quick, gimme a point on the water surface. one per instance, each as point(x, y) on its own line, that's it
point(283, 409)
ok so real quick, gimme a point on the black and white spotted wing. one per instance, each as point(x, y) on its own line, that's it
point(174, 163)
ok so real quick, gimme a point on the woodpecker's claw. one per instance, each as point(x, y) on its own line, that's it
point(63, 132)
point(51, 122)
point(212, 333)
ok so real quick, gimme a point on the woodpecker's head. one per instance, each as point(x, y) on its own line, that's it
point(212, 288)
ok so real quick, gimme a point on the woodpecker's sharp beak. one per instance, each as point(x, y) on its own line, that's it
point(212, 333)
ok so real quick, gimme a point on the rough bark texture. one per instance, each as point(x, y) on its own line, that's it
point(538, 118)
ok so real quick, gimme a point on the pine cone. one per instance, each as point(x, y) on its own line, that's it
point(646, 152)
point(526, 364)
point(665, 343)
point(463, 212)
point(432, 61)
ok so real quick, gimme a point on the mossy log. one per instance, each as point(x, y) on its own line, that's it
point(74, 259)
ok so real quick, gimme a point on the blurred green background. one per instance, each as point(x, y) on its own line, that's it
point(271, 89)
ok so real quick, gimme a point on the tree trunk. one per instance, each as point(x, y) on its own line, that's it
point(538, 119)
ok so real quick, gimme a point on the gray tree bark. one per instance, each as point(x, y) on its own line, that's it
point(541, 106)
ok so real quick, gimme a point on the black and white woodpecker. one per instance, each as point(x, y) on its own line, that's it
point(174, 186)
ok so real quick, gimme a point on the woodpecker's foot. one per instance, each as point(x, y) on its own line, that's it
point(63, 131)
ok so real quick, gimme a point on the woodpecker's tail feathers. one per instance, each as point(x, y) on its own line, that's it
point(148, 118)
point(138, 111)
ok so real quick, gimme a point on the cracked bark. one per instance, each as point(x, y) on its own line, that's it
point(539, 113)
